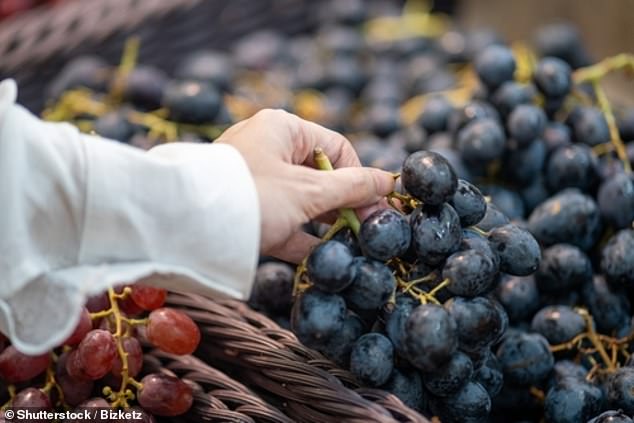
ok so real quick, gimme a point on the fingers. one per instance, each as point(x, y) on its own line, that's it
point(345, 187)
point(296, 248)
point(337, 147)
point(298, 138)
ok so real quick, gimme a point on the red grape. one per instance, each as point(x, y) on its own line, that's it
point(148, 297)
point(83, 327)
point(75, 390)
point(91, 404)
point(98, 302)
point(127, 305)
point(107, 323)
point(75, 367)
point(94, 403)
point(97, 352)
point(165, 395)
point(135, 358)
point(172, 331)
point(32, 398)
point(17, 367)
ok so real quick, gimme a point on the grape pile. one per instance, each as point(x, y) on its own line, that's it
point(498, 285)
point(100, 365)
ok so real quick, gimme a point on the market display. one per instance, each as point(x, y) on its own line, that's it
point(497, 283)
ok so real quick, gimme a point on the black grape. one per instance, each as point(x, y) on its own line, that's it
point(481, 141)
point(480, 322)
point(144, 87)
point(526, 123)
point(317, 316)
point(330, 266)
point(493, 218)
point(617, 258)
point(470, 273)
point(519, 252)
point(450, 377)
point(569, 217)
point(558, 324)
point(510, 95)
point(563, 267)
point(273, 287)
point(556, 135)
point(384, 235)
point(396, 319)
point(489, 374)
point(519, 296)
point(620, 389)
point(616, 200)
point(431, 337)
point(469, 203)
point(524, 165)
point(339, 346)
point(436, 233)
point(435, 114)
point(191, 101)
point(429, 177)
point(590, 127)
point(553, 77)
point(495, 65)
point(371, 286)
point(469, 405)
point(612, 416)
point(572, 401)
point(608, 304)
point(372, 359)
point(525, 358)
point(572, 166)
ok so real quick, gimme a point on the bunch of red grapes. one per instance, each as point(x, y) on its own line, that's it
point(98, 364)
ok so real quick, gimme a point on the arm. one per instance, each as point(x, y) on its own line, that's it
point(82, 213)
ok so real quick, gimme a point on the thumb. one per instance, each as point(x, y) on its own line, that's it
point(347, 187)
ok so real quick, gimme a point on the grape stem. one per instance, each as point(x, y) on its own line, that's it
point(323, 163)
point(128, 63)
point(51, 382)
point(438, 287)
point(479, 231)
point(593, 75)
point(120, 398)
point(615, 137)
point(11, 391)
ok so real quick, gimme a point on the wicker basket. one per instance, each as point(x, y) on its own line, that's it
point(217, 397)
point(260, 353)
point(35, 45)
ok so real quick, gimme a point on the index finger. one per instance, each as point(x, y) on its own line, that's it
point(338, 148)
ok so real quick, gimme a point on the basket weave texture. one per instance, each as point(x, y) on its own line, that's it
point(311, 388)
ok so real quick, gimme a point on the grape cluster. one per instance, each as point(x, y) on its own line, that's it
point(102, 360)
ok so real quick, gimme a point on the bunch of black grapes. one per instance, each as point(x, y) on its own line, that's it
point(409, 306)
point(501, 288)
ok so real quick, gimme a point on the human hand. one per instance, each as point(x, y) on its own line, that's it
point(278, 149)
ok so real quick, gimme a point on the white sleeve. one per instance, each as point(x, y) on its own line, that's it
point(79, 213)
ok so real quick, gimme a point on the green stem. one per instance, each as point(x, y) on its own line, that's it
point(323, 163)
point(615, 137)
